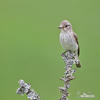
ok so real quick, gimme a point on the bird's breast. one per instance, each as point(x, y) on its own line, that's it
point(68, 42)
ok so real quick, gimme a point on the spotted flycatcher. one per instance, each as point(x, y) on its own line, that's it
point(68, 39)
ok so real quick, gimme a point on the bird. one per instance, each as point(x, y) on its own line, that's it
point(69, 39)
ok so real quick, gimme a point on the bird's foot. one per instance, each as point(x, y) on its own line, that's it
point(63, 54)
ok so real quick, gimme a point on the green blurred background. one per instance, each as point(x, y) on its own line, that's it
point(30, 48)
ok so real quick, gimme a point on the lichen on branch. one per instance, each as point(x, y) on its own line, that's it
point(25, 88)
point(69, 58)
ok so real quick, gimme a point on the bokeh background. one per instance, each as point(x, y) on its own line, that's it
point(30, 48)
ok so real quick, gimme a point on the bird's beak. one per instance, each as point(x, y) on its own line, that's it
point(60, 27)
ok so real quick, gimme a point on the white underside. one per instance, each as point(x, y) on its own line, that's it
point(68, 42)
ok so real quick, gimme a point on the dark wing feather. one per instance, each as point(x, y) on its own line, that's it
point(76, 39)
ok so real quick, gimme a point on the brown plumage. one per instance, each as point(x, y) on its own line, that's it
point(76, 39)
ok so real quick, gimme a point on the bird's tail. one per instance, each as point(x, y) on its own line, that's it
point(78, 65)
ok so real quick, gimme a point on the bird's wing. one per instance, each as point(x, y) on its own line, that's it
point(76, 39)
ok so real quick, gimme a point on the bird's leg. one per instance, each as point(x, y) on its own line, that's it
point(63, 54)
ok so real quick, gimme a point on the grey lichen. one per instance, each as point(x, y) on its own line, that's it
point(69, 59)
point(25, 88)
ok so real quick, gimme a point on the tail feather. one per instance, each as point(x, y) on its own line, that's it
point(78, 65)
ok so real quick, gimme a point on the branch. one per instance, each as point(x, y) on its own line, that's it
point(25, 88)
point(69, 59)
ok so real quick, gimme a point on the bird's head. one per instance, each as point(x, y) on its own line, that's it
point(65, 26)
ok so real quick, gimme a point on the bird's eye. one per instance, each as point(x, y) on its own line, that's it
point(66, 25)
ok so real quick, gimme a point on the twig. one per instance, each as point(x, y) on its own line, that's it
point(26, 89)
point(69, 59)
